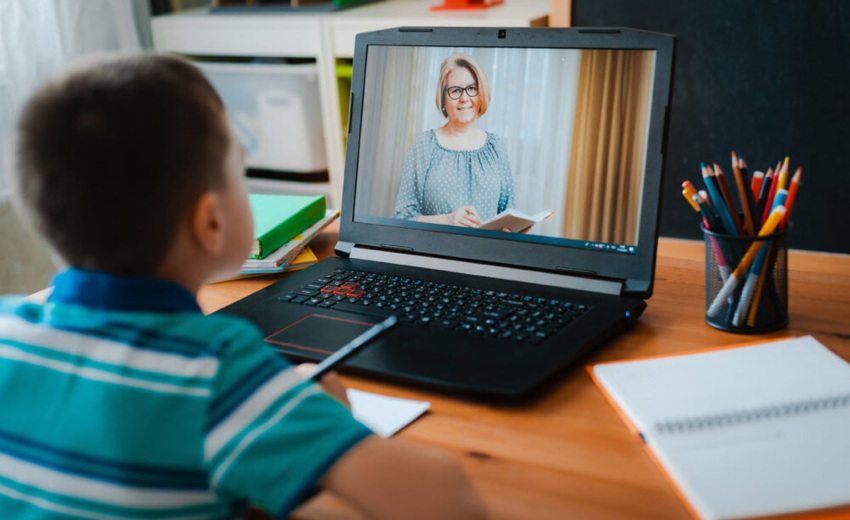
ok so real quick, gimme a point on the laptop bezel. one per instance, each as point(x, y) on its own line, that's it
point(635, 270)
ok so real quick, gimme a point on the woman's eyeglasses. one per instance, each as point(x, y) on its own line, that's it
point(457, 92)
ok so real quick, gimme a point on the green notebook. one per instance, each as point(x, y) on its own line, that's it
point(279, 218)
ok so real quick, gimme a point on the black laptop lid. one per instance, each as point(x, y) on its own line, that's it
point(571, 121)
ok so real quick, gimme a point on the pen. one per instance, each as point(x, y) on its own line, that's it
point(689, 191)
point(732, 283)
point(754, 308)
point(351, 347)
point(750, 288)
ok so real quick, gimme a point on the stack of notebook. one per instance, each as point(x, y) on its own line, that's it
point(283, 226)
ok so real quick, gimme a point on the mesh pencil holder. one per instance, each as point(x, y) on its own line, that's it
point(756, 301)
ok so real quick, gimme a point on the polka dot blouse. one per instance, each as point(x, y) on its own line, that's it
point(437, 181)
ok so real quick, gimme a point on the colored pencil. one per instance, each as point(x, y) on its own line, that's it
point(751, 196)
point(792, 193)
point(720, 177)
point(711, 222)
point(783, 176)
point(717, 199)
point(765, 188)
point(744, 196)
point(768, 202)
point(755, 186)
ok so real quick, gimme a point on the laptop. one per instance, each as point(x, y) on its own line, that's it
point(453, 127)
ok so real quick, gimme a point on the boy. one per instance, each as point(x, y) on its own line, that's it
point(119, 398)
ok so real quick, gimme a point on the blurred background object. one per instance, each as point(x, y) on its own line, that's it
point(25, 263)
point(37, 38)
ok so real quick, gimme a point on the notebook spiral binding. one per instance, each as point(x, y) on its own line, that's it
point(749, 416)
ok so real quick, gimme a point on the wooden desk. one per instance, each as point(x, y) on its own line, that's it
point(567, 455)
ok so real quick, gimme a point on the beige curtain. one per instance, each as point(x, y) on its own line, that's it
point(606, 165)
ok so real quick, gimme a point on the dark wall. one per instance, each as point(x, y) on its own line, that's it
point(764, 78)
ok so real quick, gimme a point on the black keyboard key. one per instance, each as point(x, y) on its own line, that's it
point(446, 323)
point(511, 317)
point(360, 309)
point(497, 313)
point(512, 303)
point(537, 337)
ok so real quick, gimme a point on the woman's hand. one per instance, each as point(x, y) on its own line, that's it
point(524, 231)
point(465, 216)
point(330, 382)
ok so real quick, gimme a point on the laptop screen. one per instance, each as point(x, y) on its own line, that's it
point(537, 145)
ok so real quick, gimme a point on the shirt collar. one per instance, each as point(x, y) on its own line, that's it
point(107, 291)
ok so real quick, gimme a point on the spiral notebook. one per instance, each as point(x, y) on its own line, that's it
point(743, 432)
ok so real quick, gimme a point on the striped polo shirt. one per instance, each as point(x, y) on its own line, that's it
point(119, 399)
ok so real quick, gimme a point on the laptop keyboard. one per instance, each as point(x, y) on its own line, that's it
point(514, 317)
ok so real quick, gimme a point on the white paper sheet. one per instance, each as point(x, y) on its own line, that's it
point(384, 415)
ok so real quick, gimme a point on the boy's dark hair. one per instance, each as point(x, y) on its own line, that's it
point(111, 156)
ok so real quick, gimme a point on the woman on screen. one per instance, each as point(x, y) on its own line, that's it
point(457, 174)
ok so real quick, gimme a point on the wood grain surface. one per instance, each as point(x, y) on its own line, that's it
point(566, 454)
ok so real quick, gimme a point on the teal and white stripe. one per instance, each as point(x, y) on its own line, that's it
point(106, 351)
point(244, 416)
point(134, 413)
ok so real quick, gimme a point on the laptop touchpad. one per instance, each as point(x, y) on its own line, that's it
point(320, 334)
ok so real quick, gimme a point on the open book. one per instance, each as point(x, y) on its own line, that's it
point(746, 431)
point(514, 220)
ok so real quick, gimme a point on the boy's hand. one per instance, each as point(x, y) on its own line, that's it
point(330, 382)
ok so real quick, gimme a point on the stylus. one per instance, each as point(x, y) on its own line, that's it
point(353, 346)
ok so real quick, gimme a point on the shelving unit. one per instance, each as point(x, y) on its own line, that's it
point(329, 39)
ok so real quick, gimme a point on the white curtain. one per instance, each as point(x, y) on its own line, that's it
point(532, 107)
point(38, 37)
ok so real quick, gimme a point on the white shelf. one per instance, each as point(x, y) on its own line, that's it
point(325, 37)
point(345, 25)
point(274, 186)
point(274, 35)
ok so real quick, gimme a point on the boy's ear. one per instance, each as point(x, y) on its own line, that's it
point(207, 222)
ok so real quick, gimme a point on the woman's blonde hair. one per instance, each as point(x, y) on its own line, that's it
point(454, 62)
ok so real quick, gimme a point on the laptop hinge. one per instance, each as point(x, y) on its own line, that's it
point(564, 281)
